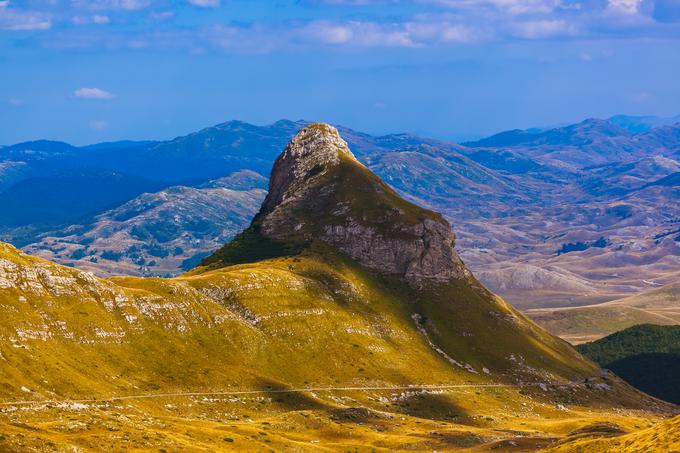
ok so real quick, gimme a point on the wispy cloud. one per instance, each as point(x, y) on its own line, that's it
point(161, 15)
point(94, 19)
point(205, 3)
point(93, 93)
point(511, 7)
point(16, 19)
point(362, 34)
point(538, 29)
point(359, 24)
point(625, 6)
point(111, 5)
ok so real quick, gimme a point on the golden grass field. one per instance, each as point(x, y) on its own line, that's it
point(69, 343)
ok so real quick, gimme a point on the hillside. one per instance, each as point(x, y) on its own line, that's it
point(647, 356)
point(641, 339)
point(343, 318)
point(662, 437)
point(659, 306)
point(638, 124)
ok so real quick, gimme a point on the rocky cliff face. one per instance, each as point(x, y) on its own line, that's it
point(320, 191)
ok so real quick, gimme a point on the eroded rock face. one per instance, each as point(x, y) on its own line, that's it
point(427, 256)
point(365, 219)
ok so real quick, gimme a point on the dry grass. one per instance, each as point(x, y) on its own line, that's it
point(313, 320)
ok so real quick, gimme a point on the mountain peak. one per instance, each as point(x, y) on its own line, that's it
point(319, 192)
point(314, 150)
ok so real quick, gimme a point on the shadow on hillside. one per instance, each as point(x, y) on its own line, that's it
point(427, 405)
point(290, 400)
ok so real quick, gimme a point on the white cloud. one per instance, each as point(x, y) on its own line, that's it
point(431, 23)
point(112, 5)
point(205, 3)
point(509, 6)
point(625, 6)
point(329, 33)
point(538, 29)
point(428, 29)
point(96, 19)
point(93, 93)
point(416, 33)
point(354, 33)
point(162, 15)
point(16, 19)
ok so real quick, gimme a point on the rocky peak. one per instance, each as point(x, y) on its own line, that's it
point(320, 192)
point(314, 150)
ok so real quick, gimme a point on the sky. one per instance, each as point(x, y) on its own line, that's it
point(100, 70)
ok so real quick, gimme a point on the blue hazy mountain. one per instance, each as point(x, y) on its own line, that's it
point(637, 124)
point(68, 197)
point(583, 133)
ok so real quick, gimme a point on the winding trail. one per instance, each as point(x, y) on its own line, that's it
point(256, 392)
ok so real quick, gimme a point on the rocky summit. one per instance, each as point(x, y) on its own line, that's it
point(320, 191)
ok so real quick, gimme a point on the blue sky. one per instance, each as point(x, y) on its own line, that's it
point(88, 71)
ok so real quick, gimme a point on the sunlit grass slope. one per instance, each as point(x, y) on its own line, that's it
point(664, 437)
point(314, 320)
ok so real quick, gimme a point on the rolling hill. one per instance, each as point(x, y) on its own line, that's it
point(659, 306)
point(662, 437)
point(69, 197)
point(342, 318)
point(637, 124)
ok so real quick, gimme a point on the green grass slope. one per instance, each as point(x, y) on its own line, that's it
point(313, 318)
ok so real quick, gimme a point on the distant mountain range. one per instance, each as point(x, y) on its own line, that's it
point(515, 199)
